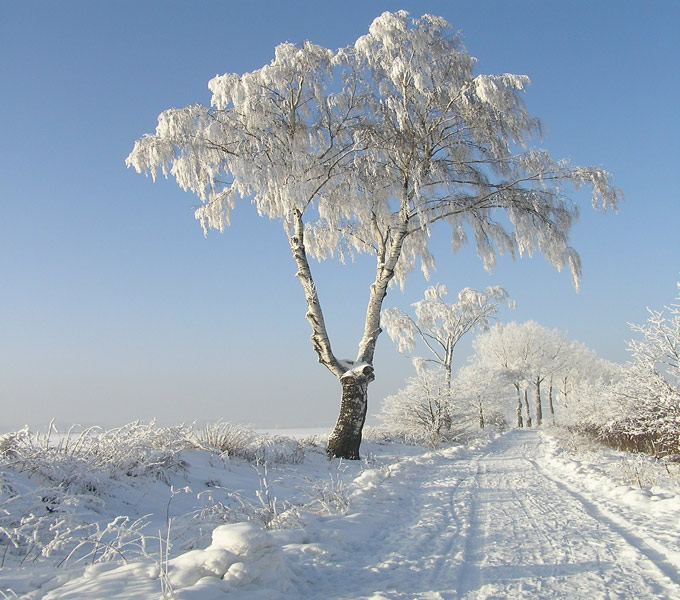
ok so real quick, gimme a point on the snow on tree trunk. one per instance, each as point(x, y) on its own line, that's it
point(320, 339)
point(520, 421)
point(526, 406)
point(345, 440)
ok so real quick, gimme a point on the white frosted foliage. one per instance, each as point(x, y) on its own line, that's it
point(365, 149)
point(439, 325)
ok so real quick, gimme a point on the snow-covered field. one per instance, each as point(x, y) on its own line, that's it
point(514, 515)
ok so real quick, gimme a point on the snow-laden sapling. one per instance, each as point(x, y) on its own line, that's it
point(364, 150)
point(439, 325)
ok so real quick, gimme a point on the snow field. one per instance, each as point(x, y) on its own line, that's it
point(514, 516)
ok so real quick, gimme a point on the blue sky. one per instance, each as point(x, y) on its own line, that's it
point(114, 307)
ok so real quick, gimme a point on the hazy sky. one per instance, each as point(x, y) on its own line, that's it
point(114, 307)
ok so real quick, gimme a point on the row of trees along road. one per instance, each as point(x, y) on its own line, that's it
point(518, 369)
point(535, 361)
point(524, 364)
point(365, 149)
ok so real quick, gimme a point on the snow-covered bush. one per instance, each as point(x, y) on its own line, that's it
point(232, 440)
point(328, 496)
point(420, 413)
point(638, 408)
point(646, 399)
point(77, 460)
point(277, 449)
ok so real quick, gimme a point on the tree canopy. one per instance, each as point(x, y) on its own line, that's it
point(364, 149)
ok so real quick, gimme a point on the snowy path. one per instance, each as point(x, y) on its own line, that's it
point(502, 524)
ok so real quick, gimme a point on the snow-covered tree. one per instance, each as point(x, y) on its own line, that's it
point(440, 325)
point(421, 411)
point(364, 150)
point(643, 407)
point(527, 354)
point(482, 395)
point(659, 348)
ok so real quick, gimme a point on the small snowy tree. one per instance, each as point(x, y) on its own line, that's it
point(440, 325)
point(364, 150)
point(421, 411)
point(481, 396)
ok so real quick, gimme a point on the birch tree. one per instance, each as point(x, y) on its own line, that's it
point(504, 351)
point(440, 325)
point(364, 150)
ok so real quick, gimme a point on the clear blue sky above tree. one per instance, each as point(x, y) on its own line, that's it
point(113, 305)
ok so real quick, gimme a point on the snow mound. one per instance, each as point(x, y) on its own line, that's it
point(241, 556)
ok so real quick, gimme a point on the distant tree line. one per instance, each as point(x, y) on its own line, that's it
point(525, 375)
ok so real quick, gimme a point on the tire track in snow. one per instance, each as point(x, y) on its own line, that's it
point(491, 524)
point(469, 574)
point(600, 514)
point(529, 539)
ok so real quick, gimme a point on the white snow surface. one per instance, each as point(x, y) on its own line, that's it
point(517, 516)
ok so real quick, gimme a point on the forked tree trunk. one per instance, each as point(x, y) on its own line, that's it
point(345, 440)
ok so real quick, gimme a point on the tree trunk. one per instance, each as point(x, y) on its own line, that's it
point(448, 362)
point(526, 406)
point(539, 408)
point(481, 416)
point(520, 422)
point(550, 401)
point(345, 440)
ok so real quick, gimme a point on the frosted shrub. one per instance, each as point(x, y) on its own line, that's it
point(232, 440)
point(640, 410)
point(72, 473)
point(421, 412)
point(79, 460)
point(47, 523)
point(140, 449)
point(227, 439)
point(279, 450)
point(328, 497)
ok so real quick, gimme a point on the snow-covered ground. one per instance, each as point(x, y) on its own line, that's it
point(516, 516)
